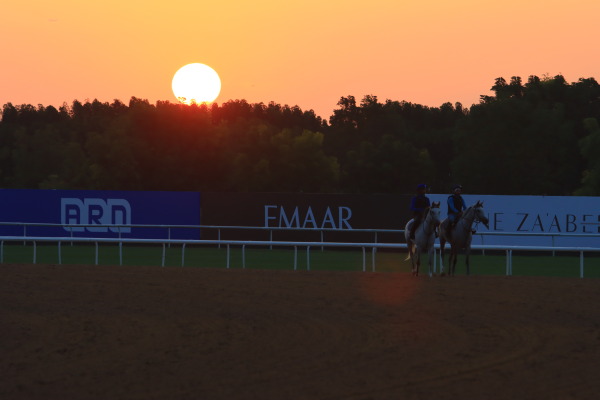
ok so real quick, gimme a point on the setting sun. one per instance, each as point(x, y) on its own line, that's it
point(196, 83)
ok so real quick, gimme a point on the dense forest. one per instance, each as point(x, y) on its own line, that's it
point(541, 137)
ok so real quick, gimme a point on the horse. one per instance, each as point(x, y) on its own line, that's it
point(424, 237)
point(461, 236)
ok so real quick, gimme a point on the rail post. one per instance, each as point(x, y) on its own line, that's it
point(322, 247)
point(243, 256)
point(308, 258)
point(183, 254)
point(373, 251)
point(228, 254)
point(482, 250)
point(581, 264)
point(295, 258)
point(364, 259)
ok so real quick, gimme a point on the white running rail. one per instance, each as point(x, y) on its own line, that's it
point(243, 243)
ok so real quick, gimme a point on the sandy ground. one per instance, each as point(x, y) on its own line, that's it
point(82, 332)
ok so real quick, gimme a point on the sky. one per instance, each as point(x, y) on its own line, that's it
point(308, 53)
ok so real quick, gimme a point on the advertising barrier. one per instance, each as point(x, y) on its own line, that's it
point(341, 212)
point(86, 210)
point(514, 220)
point(536, 220)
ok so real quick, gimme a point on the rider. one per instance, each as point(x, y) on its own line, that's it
point(456, 205)
point(418, 205)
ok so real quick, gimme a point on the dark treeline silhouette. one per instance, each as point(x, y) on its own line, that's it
point(541, 137)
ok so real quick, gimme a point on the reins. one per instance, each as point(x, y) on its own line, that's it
point(467, 227)
point(475, 220)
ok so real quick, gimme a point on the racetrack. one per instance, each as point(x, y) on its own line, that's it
point(100, 332)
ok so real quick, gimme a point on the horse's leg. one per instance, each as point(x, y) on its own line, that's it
point(417, 261)
point(467, 254)
point(455, 261)
point(431, 255)
point(442, 245)
point(449, 261)
point(412, 255)
point(452, 262)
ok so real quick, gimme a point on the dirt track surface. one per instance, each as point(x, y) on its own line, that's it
point(81, 332)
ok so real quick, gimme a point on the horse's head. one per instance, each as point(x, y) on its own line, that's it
point(434, 211)
point(480, 214)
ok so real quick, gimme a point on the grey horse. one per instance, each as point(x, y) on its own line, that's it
point(424, 237)
point(461, 236)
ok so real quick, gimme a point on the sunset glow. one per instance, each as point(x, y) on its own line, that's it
point(423, 52)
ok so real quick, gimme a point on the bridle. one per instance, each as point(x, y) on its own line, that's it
point(471, 219)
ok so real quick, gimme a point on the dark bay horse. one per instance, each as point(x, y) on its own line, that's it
point(461, 236)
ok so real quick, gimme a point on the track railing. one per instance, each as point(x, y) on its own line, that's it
point(296, 245)
point(220, 229)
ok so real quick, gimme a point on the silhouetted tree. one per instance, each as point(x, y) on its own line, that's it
point(538, 137)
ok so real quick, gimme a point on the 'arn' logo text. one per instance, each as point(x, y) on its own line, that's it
point(89, 212)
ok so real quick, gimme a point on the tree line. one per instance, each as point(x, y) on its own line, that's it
point(540, 137)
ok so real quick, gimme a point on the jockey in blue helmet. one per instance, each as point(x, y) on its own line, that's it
point(456, 205)
point(418, 204)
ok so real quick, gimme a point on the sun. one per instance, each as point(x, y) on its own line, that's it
point(196, 83)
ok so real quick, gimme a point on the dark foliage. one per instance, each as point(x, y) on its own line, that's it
point(540, 137)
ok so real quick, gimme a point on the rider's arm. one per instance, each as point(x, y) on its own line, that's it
point(464, 206)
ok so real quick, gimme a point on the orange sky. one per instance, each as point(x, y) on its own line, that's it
point(308, 53)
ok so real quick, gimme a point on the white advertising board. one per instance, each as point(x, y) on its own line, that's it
point(562, 220)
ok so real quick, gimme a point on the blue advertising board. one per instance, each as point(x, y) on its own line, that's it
point(533, 220)
point(88, 212)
